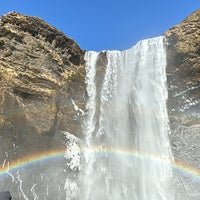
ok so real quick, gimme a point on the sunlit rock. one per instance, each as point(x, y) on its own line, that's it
point(42, 78)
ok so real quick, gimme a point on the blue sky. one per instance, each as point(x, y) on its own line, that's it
point(106, 24)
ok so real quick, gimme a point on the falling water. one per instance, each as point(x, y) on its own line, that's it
point(126, 129)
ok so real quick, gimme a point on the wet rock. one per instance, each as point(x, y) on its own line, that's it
point(183, 77)
point(183, 68)
point(5, 195)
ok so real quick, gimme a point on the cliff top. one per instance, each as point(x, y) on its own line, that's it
point(38, 28)
point(186, 35)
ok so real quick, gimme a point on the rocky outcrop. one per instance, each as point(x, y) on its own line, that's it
point(183, 75)
point(183, 68)
point(42, 85)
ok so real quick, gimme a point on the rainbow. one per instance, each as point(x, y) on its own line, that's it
point(30, 159)
point(53, 154)
point(177, 165)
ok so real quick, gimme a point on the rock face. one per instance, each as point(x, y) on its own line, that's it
point(42, 85)
point(184, 64)
point(183, 70)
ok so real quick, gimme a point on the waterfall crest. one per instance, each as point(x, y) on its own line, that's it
point(126, 130)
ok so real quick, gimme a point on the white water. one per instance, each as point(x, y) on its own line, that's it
point(127, 113)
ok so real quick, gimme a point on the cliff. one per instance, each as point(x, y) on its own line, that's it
point(184, 64)
point(183, 76)
point(42, 84)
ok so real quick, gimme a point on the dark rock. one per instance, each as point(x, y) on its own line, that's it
point(5, 195)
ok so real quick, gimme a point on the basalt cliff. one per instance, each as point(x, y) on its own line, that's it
point(43, 91)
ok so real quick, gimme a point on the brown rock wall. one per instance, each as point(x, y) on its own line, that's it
point(41, 72)
point(183, 57)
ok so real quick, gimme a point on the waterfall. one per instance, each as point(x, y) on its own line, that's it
point(128, 153)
